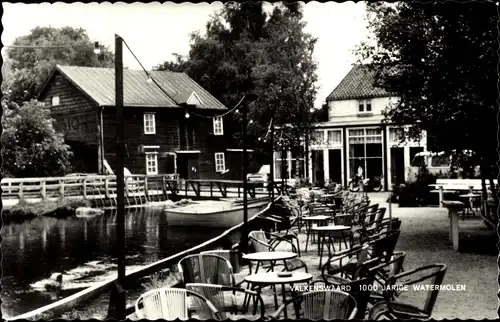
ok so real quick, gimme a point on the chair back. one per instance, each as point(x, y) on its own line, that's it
point(382, 245)
point(328, 305)
point(230, 254)
point(336, 267)
point(371, 213)
point(380, 213)
point(171, 304)
point(259, 241)
point(223, 297)
point(206, 268)
point(361, 289)
point(425, 275)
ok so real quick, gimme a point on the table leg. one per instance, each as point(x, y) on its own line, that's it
point(296, 307)
point(284, 300)
point(345, 239)
point(321, 244)
point(308, 231)
point(454, 231)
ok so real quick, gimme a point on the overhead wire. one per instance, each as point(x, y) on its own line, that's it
point(165, 92)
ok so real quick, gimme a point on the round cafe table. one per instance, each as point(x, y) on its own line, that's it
point(272, 257)
point(328, 232)
point(261, 280)
point(319, 220)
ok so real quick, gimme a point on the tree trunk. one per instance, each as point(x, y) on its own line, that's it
point(484, 191)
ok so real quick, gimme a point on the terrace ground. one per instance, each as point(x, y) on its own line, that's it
point(424, 238)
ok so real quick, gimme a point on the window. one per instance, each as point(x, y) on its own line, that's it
point(149, 123)
point(218, 127)
point(55, 101)
point(365, 106)
point(334, 137)
point(151, 163)
point(220, 164)
point(318, 137)
point(396, 135)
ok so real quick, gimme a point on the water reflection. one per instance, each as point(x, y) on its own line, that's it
point(33, 250)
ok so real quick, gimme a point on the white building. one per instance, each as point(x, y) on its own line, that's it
point(354, 136)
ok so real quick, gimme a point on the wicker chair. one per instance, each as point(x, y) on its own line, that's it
point(383, 272)
point(173, 303)
point(261, 243)
point(344, 265)
point(206, 268)
point(225, 300)
point(360, 289)
point(408, 309)
point(327, 305)
point(230, 254)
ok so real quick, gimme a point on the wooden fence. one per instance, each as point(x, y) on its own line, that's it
point(138, 188)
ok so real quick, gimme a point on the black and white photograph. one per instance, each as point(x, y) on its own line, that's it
point(250, 160)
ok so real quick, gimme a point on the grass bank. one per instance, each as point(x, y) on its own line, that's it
point(60, 208)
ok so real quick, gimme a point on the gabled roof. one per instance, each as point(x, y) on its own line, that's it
point(357, 84)
point(99, 85)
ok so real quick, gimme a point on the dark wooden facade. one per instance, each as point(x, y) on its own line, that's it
point(176, 140)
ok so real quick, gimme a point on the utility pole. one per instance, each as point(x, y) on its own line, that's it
point(244, 232)
point(271, 170)
point(117, 300)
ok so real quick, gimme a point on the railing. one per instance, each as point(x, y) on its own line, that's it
point(104, 187)
point(222, 241)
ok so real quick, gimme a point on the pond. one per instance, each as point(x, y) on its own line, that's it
point(82, 249)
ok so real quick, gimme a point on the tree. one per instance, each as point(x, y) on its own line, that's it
point(267, 58)
point(31, 146)
point(440, 59)
point(27, 68)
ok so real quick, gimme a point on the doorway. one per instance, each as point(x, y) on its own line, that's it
point(397, 165)
point(318, 174)
point(335, 165)
point(188, 165)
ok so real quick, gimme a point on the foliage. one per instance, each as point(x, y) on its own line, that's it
point(26, 210)
point(440, 59)
point(27, 69)
point(266, 57)
point(31, 146)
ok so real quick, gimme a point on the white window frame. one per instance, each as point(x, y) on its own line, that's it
point(331, 142)
point(218, 126)
point(365, 103)
point(154, 159)
point(220, 162)
point(56, 101)
point(152, 128)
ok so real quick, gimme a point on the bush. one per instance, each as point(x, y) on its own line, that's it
point(416, 193)
point(31, 146)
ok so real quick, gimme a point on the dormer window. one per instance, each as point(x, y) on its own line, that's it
point(218, 126)
point(364, 106)
point(149, 123)
point(55, 101)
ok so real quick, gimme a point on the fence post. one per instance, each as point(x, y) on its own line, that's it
point(61, 188)
point(146, 192)
point(43, 191)
point(84, 188)
point(440, 196)
point(20, 192)
point(106, 187)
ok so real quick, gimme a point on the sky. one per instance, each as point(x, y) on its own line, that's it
point(154, 31)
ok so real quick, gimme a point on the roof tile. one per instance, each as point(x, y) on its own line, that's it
point(358, 83)
point(99, 84)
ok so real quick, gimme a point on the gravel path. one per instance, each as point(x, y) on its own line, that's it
point(424, 238)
